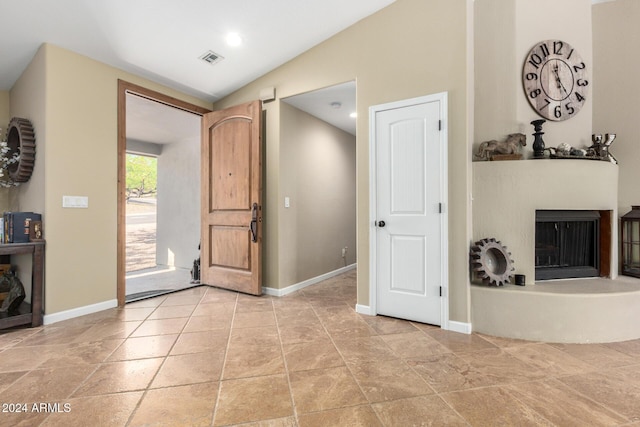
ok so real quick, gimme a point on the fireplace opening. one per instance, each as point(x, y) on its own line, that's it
point(567, 244)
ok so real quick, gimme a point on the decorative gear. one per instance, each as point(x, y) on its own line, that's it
point(492, 262)
point(21, 138)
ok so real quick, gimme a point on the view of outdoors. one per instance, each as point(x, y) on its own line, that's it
point(141, 189)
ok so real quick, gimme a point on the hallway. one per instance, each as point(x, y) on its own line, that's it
point(206, 356)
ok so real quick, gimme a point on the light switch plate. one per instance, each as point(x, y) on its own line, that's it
point(81, 202)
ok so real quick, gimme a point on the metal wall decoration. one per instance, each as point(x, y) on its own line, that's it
point(491, 262)
point(21, 139)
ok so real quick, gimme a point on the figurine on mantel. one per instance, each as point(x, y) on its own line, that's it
point(502, 150)
point(565, 149)
point(598, 151)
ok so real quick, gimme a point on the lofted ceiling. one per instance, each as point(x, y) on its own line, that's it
point(163, 40)
point(333, 104)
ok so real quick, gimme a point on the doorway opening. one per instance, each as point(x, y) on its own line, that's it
point(163, 197)
point(318, 184)
point(158, 224)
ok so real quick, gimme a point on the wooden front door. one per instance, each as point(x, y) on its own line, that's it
point(232, 199)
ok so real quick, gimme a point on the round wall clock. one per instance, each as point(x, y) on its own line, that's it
point(555, 80)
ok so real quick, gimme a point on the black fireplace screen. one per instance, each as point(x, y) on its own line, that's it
point(567, 244)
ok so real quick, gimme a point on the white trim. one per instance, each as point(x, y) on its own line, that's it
point(461, 327)
point(79, 311)
point(442, 97)
point(364, 309)
point(297, 286)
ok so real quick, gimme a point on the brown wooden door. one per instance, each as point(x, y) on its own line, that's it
point(231, 199)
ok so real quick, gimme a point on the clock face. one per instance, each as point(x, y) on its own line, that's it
point(555, 80)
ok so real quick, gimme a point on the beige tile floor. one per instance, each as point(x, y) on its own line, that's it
point(205, 356)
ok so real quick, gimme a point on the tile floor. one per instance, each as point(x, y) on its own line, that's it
point(205, 356)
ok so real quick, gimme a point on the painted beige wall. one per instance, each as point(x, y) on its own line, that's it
point(28, 99)
point(4, 111)
point(496, 71)
point(505, 31)
point(73, 103)
point(409, 49)
point(5, 116)
point(318, 174)
point(616, 108)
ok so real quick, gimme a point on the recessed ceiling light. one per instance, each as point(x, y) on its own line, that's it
point(233, 39)
point(353, 115)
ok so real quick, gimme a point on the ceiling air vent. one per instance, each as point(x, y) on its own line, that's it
point(211, 57)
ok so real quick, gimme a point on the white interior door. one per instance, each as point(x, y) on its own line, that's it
point(409, 221)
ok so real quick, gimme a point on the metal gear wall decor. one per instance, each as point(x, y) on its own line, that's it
point(491, 261)
point(21, 139)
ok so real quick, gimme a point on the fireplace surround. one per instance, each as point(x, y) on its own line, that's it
point(505, 198)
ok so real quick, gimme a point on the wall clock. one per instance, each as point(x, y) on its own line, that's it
point(555, 80)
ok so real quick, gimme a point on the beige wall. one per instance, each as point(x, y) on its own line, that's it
point(318, 174)
point(72, 101)
point(4, 112)
point(409, 49)
point(5, 116)
point(497, 74)
point(505, 31)
point(616, 41)
point(28, 99)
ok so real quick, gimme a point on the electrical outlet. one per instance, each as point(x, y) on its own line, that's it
point(344, 251)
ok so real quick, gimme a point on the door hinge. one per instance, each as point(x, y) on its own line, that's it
point(440, 208)
point(440, 290)
point(439, 124)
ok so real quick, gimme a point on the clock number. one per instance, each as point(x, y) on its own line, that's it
point(532, 76)
point(534, 93)
point(557, 112)
point(582, 82)
point(544, 49)
point(581, 66)
point(569, 108)
point(545, 105)
point(557, 47)
point(579, 97)
point(535, 60)
point(570, 53)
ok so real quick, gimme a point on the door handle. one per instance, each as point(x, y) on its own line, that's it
point(253, 226)
point(381, 224)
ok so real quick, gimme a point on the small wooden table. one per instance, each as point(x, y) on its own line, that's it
point(36, 249)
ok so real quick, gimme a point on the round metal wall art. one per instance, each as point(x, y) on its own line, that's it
point(21, 139)
point(492, 262)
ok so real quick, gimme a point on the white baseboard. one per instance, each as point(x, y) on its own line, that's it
point(461, 327)
point(296, 287)
point(364, 309)
point(80, 311)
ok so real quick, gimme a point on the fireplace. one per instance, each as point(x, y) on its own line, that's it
point(567, 244)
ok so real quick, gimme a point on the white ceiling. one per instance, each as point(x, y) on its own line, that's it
point(150, 121)
point(162, 40)
point(322, 104)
